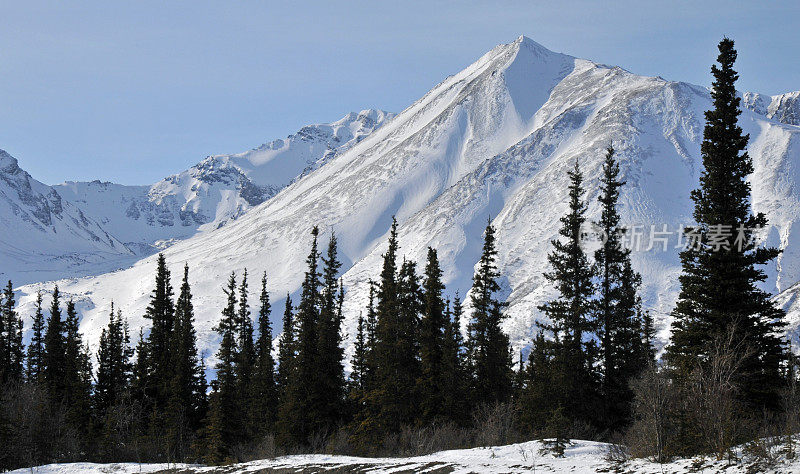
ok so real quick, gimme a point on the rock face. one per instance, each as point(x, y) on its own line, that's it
point(43, 235)
point(785, 108)
point(493, 142)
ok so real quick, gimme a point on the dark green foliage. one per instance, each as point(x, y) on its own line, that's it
point(12, 352)
point(222, 428)
point(245, 361)
point(454, 389)
point(370, 324)
point(35, 369)
point(617, 309)
point(396, 364)
point(295, 423)
point(386, 400)
point(488, 347)
point(264, 391)
point(571, 325)
point(329, 387)
point(114, 364)
point(719, 281)
point(286, 347)
point(187, 397)
point(77, 395)
point(432, 343)
point(54, 367)
point(158, 353)
point(359, 361)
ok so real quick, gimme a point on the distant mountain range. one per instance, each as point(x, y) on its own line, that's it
point(111, 225)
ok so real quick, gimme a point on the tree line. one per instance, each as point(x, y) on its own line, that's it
point(422, 366)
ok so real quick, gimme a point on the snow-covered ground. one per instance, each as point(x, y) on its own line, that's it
point(581, 457)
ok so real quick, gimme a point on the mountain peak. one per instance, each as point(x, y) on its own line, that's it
point(7, 162)
point(525, 42)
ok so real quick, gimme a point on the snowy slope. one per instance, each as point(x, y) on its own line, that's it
point(217, 190)
point(580, 457)
point(784, 108)
point(45, 236)
point(491, 142)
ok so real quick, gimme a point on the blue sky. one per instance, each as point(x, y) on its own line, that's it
point(132, 92)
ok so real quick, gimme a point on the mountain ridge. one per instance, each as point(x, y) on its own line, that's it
point(493, 141)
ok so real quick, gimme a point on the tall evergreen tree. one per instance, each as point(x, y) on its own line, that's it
point(114, 364)
point(489, 348)
point(359, 360)
point(158, 354)
point(617, 310)
point(719, 291)
point(286, 347)
point(330, 381)
point(221, 431)
point(264, 390)
point(406, 342)
point(54, 367)
point(370, 325)
point(12, 351)
point(245, 360)
point(187, 397)
point(112, 389)
point(77, 396)
point(434, 322)
point(295, 424)
point(382, 411)
point(454, 370)
point(571, 324)
point(35, 369)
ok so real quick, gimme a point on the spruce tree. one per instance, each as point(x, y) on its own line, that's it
point(617, 309)
point(330, 381)
point(286, 347)
point(571, 325)
point(489, 350)
point(370, 324)
point(114, 364)
point(35, 369)
point(434, 322)
point(140, 378)
point(406, 344)
point(454, 370)
point(12, 351)
point(161, 313)
point(297, 407)
point(77, 397)
point(245, 360)
point(264, 390)
point(382, 410)
point(187, 397)
point(54, 366)
point(221, 431)
point(719, 292)
point(359, 360)
point(540, 396)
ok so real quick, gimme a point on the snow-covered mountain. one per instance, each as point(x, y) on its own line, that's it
point(43, 235)
point(217, 190)
point(784, 108)
point(493, 141)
